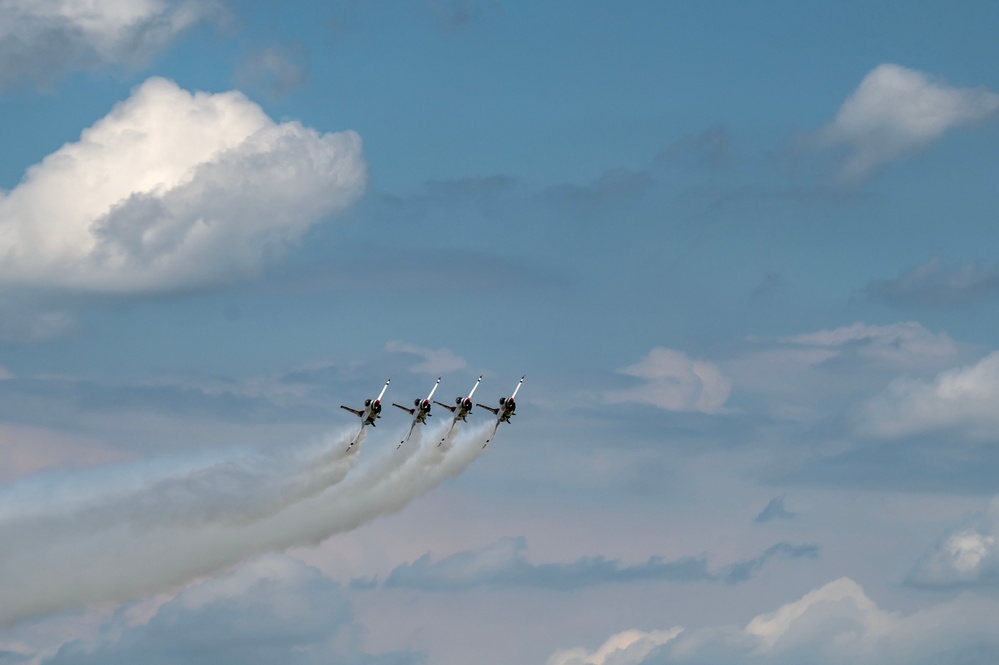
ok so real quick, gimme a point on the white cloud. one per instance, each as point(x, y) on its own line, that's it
point(784, 628)
point(173, 189)
point(629, 647)
point(963, 398)
point(815, 375)
point(896, 111)
point(43, 39)
point(834, 625)
point(675, 382)
point(968, 555)
point(435, 361)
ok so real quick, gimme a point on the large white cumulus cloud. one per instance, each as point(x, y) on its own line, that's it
point(896, 111)
point(41, 40)
point(836, 624)
point(173, 189)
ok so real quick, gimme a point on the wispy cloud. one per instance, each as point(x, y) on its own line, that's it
point(895, 112)
point(906, 344)
point(675, 382)
point(775, 510)
point(277, 69)
point(935, 284)
point(435, 361)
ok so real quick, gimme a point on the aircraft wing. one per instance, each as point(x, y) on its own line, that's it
point(434, 389)
point(518, 387)
point(356, 412)
point(475, 386)
point(446, 406)
point(488, 408)
point(407, 410)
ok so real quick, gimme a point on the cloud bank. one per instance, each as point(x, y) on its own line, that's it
point(897, 111)
point(832, 625)
point(272, 609)
point(41, 41)
point(504, 564)
point(171, 190)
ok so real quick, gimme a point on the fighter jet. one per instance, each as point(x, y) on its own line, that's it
point(504, 412)
point(462, 407)
point(371, 412)
point(420, 412)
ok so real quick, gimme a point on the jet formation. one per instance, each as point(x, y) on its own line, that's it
point(420, 411)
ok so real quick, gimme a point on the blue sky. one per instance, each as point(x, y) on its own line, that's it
point(741, 252)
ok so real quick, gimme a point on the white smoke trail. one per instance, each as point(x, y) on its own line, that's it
point(116, 552)
point(192, 490)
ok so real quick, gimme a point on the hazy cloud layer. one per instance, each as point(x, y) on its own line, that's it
point(40, 41)
point(25, 450)
point(273, 609)
point(967, 556)
point(435, 361)
point(173, 189)
point(277, 69)
point(29, 322)
point(935, 284)
point(675, 382)
point(905, 345)
point(505, 564)
point(897, 111)
point(832, 625)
